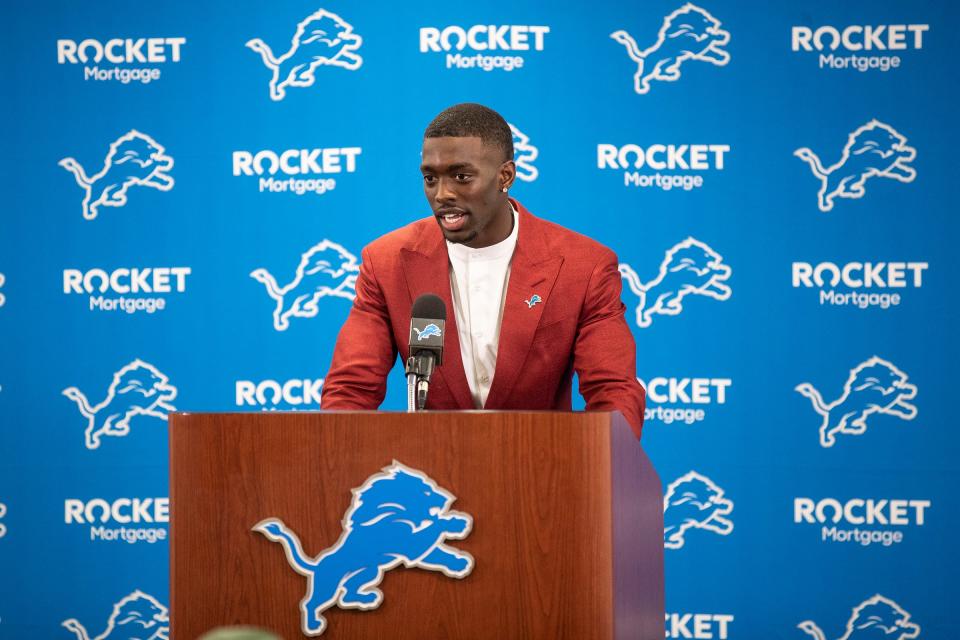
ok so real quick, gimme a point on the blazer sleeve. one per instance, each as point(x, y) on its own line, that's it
point(604, 352)
point(365, 349)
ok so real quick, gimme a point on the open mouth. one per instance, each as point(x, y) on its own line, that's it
point(452, 220)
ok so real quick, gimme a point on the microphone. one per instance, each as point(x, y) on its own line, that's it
point(427, 327)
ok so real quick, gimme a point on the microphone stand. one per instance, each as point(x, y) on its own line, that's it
point(411, 390)
point(419, 369)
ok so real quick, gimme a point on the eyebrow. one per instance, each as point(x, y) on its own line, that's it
point(450, 168)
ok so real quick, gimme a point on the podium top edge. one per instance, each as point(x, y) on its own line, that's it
point(377, 412)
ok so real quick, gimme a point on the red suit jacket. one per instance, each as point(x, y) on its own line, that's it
point(579, 326)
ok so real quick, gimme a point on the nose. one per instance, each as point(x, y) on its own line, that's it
point(444, 193)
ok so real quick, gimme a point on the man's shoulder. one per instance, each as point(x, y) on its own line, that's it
point(571, 244)
point(389, 244)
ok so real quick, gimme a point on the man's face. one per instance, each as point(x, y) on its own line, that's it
point(462, 179)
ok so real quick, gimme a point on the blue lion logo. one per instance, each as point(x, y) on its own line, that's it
point(428, 331)
point(878, 617)
point(534, 299)
point(398, 516)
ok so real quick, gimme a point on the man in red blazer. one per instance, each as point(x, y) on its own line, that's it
point(557, 293)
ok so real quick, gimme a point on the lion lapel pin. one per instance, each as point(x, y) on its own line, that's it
point(348, 573)
point(534, 299)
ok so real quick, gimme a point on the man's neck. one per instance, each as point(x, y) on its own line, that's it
point(497, 231)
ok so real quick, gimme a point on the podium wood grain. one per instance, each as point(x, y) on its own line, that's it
point(557, 501)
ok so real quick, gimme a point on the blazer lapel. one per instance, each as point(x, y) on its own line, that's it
point(533, 272)
point(427, 270)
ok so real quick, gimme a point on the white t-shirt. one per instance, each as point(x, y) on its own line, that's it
point(478, 280)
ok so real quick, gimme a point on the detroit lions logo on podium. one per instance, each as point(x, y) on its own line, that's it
point(524, 154)
point(875, 149)
point(138, 389)
point(325, 269)
point(876, 618)
point(322, 39)
point(427, 332)
point(874, 386)
point(136, 617)
point(134, 160)
point(689, 33)
point(689, 267)
point(693, 501)
point(398, 516)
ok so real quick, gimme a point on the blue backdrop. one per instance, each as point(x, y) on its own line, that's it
point(775, 180)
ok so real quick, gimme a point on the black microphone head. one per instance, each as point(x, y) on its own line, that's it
point(429, 306)
point(427, 326)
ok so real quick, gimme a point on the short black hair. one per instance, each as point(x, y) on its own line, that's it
point(472, 120)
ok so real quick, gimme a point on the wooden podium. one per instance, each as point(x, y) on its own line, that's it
point(567, 533)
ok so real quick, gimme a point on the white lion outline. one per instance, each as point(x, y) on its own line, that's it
point(524, 154)
point(296, 67)
point(698, 37)
point(874, 613)
point(859, 399)
point(689, 267)
point(151, 393)
point(139, 609)
point(134, 159)
point(859, 161)
point(325, 269)
point(703, 507)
